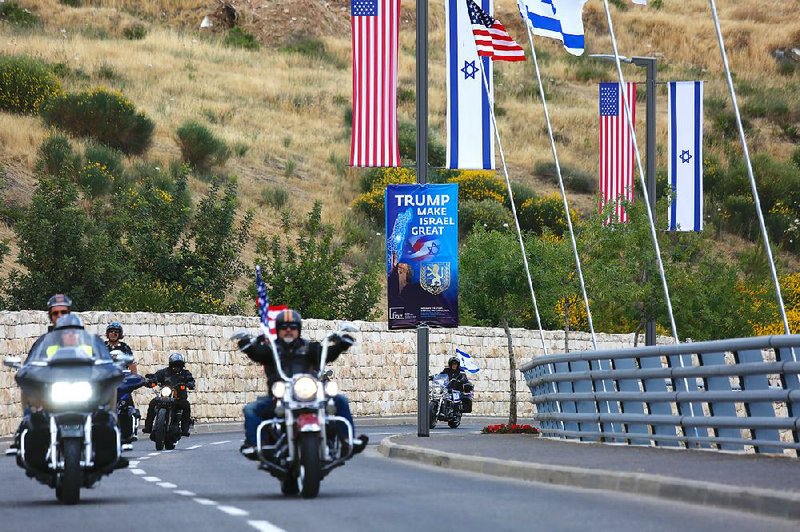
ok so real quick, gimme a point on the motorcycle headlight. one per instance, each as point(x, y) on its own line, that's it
point(279, 389)
point(304, 389)
point(331, 388)
point(71, 392)
point(166, 391)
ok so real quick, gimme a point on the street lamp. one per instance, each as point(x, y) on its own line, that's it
point(650, 142)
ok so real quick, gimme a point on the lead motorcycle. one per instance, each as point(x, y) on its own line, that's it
point(446, 403)
point(301, 445)
point(167, 423)
point(70, 437)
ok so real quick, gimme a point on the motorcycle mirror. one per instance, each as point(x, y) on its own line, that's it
point(348, 326)
point(329, 373)
point(12, 362)
point(239, 335)
point(121, 358)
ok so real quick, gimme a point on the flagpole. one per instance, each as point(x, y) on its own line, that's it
point(423, 412)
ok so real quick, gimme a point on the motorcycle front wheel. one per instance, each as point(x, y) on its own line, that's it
point(310, 465)
point(68, 489)
point(456, 421)
point(433, 414)
point(159, 429)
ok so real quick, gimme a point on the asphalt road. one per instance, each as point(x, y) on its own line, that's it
point(206, 485)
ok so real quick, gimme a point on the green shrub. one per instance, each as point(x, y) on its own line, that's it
point(15, 15)
point(405, 95)
point(72, 3)
point(57, 158)
point(545, 212)
point(200, 148)
point(107, 157)
point(796, 157)
point(105, 116)
point(479, 185)
point(25, 84)
point(522, 193)
point(135, 32)
point(95, 180)
point(107, 73)
point(238, 38)
point(313, 48)
point(407, 140)
point(487, 213)
point(289, 169)
point(275, 197)
point(574, 179)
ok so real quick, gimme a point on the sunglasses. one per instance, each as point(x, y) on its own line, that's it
point(57, 313)
point(290, 326)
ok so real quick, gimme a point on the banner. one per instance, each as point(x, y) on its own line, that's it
point(557, 19)
point(685, 160)
point(616, 148)
point(422, 255)
point(470, 135)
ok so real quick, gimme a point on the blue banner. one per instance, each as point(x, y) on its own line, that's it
point(422, 255)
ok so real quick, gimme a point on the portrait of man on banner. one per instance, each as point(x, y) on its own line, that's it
point(422, 255)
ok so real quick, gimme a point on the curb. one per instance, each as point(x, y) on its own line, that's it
point(754, 500)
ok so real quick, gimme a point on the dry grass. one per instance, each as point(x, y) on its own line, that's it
point(259, 99)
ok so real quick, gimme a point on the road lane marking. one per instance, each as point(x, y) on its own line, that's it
point(153, 454)
point(133, 463)
point(168, 485)
point(265, 526)
point(204, 502)
point(185, 493)
point(193, 447)
point(232, 510)
point(152, 479)
point(137, 471)
point(220, 442)
point(144, 458)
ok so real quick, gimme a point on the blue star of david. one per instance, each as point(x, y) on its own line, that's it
point(433, 249)
point(686, 156)
point(469, 69)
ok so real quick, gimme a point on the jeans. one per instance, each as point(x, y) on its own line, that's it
point(264, 408)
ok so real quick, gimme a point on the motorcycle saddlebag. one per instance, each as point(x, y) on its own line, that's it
point(466, 405)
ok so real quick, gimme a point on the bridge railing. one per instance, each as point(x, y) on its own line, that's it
point(738, 394)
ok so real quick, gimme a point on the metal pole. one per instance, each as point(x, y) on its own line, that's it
point(423, 414)
point(650, 64)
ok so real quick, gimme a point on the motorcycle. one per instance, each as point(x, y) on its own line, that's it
point(301, 445)
point(445, 402)
point(128, 415)
point(167, 423)
point(70, 437)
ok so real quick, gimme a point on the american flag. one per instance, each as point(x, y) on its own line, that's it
point(265, 311)
point(491, 37)
point(616, 148)
point(375, 24)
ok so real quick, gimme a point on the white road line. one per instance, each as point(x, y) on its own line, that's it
point(265, 526)
point(193, 447)
point(133, 463)
point(144, 458)
point(137, 471)
point(185, 493)
point(220, 442)
point(204, 502)
point(152, 479)
point(153, 454)
point(232, 510)
point(168, 485)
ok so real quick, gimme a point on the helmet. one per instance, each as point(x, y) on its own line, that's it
point(456, 360)
point(59, 300)
point(69, 321)
point(115, 326)
point(289, 317)
point(176, 360)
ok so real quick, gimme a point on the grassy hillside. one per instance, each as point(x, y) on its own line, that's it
point(282, 108)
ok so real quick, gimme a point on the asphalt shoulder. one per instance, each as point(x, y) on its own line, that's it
point(756, 483)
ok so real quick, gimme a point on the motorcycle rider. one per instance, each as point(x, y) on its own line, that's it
point(58, 305)
point(174, 374)
point(458, 381)
point(297, 355)
point(114, 342)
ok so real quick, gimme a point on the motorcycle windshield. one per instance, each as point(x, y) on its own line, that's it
point(441, 379)
point(69, 346)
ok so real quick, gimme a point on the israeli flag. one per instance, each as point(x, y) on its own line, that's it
point(470, 135)
point(556, 19)
point(468, 364)
point(685, 160)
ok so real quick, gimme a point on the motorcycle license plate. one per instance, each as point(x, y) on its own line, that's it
point(71, 431)
point(456, 396)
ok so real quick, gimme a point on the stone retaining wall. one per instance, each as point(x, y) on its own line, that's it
point(378, 374)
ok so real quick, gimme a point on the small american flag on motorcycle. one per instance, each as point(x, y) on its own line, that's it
point(266, 312)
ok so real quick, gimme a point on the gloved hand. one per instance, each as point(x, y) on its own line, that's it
point(245, 342)
point(190, 385)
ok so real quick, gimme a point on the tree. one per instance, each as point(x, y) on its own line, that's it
point(494, 289)
point(308, 274)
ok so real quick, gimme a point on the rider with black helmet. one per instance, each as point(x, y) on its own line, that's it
point(459, 381)
point(297, 355)
point(174, 374)
point(114, 342)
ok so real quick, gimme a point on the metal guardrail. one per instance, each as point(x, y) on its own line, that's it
point(735, 395)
